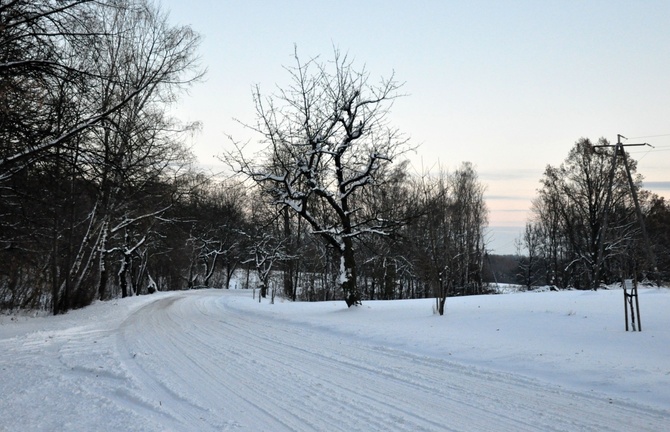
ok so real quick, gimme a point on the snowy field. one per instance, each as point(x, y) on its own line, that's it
point(215, 360)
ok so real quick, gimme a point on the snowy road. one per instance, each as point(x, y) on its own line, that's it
point(195, 361)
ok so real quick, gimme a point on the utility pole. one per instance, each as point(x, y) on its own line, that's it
point(619, 151)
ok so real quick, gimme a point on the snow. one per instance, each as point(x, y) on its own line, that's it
point(210, 360)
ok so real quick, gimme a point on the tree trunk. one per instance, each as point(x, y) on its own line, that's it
point(102, 261)
point(440, 292)
point(209, 270)
point(352, 295)
point(440, 305)
point(123, 275)
point(230, 270)
point(288, 264)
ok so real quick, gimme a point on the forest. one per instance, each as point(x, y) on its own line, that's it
point(101, 197)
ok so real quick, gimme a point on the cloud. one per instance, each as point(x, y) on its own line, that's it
point(658, 185)
point(507, 198)
point(511, 174)
point(505, 228)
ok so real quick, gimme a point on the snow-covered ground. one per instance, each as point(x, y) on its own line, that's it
point(213, 360)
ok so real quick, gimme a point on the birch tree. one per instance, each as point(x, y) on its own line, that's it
point(529, 264)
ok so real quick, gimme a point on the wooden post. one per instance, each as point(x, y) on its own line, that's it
point(625, 302)
point(632, 313)
point(628, 302)
point(637, 306)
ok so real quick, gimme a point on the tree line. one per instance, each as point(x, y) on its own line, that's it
point(90, 160)
point(100, 198)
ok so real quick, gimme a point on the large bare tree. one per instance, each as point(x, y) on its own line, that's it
point(326, 137)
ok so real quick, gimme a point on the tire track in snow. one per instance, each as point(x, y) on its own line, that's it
point(474, 392)
point(219, 368)
point(153, 345)
point(336, 379)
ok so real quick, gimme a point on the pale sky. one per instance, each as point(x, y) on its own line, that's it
point(507, 85)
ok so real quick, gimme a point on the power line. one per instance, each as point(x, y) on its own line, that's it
point(650, 136)
point(655, 150)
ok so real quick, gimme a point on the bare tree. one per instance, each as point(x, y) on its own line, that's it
point(658, 226)
point(569, 212)
point(327, 137)
point(52, 44)
point(469, 219)
point(384, 258)
point(448, 236)
point(87, 142)
point(216, 235)
point(431, 248)
point(529, 263)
